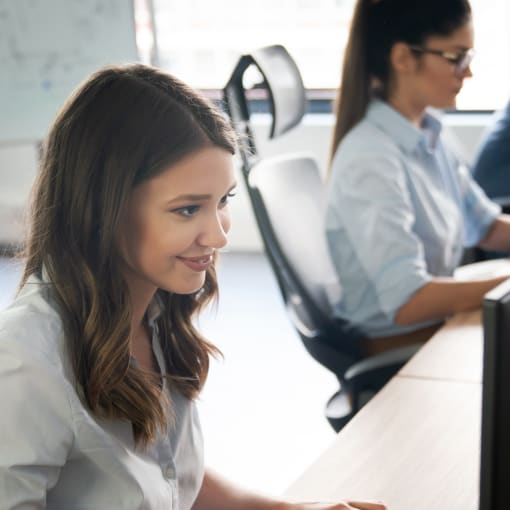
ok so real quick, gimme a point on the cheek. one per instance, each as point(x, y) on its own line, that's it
point(173, 236)
point(443, 81)
point(145, 237)
point(437, 89)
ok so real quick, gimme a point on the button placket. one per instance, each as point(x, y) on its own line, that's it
point(169, 472)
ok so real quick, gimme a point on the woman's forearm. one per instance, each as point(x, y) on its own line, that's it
point(498, 236)
point(218, 494)
point(442, 297)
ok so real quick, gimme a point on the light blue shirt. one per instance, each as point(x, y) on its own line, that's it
point(55, 454)
point(400, 210)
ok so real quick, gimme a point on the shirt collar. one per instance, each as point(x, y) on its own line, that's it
point(400, 129)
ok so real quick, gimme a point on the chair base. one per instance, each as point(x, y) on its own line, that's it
point(339, 410)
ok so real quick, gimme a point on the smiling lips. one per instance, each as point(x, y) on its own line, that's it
point(197, 263)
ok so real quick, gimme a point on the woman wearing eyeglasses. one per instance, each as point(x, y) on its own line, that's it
point(401, 207)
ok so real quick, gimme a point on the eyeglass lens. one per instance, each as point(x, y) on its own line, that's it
point(465, 61)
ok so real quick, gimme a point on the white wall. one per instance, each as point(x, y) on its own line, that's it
point(313, 135)
point(18, 166)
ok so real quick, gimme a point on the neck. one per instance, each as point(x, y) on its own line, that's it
point(140, 296)
point(409, 109)
point(140, 341)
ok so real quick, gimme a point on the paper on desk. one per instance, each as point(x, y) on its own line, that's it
point(482, 270)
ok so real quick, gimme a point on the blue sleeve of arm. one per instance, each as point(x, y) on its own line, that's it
point(491, 168)
point(479, 211)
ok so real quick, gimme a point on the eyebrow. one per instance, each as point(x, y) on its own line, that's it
point(195, 198)
point(189, 198)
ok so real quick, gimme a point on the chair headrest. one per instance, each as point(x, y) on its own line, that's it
point(284, 84)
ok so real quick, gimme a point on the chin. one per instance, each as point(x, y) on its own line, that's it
point(448, 103)
point(185, 286)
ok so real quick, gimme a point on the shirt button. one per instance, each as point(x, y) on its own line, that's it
point(169, 472)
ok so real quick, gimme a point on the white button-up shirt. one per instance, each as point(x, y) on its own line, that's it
point(55, 454)
point(400, 209)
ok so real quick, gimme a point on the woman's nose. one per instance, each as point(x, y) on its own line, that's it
point(215, 231)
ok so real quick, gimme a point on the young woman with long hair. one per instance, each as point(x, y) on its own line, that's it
point(401, 207)
point(100, 361)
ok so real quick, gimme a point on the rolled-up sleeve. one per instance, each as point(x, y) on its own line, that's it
point(35, 429)
point(374, 207)
point(479, 211)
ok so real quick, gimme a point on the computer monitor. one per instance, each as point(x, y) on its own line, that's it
point(495, 451)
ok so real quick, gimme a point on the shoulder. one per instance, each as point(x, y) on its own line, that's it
point(366, 145)
point(38, 420)
point(501, 121)
point(367, 154)
point(498, 135)
point(32, 363)
point(369, 135)
point(31, 329)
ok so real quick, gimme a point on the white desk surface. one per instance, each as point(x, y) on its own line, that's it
point(415, 446)
point(454, 353)
point(487, 269)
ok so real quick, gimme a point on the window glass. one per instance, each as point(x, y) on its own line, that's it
point(200, 41)
point(489, 88)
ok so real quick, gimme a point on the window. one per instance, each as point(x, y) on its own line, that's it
point(200, 41)
point(489, 88)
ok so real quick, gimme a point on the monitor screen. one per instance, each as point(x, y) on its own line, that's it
point(495, 447)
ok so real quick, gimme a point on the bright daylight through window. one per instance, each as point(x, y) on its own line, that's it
point(200, 41)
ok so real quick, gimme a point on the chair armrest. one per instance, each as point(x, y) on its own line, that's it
point(393, 358)
point(375, 371)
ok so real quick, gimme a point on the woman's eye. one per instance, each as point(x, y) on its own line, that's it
point(224, 199)
point(187, 211)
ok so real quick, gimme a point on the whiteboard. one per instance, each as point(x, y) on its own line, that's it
point(47, 48)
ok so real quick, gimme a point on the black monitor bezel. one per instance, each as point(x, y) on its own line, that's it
point(495, 440)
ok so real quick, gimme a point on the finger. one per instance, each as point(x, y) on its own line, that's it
point(366, 505)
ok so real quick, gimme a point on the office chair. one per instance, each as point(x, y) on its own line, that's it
point(288, 196)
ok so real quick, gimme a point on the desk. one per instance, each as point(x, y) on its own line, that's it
point(454, 353)
point(423, 455)
point(416, 444)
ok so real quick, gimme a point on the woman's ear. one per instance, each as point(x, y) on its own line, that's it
point(402, 58)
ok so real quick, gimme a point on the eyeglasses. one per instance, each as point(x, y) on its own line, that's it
point(461, 60)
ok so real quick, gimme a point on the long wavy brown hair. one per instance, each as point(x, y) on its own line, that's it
point(124, 125)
